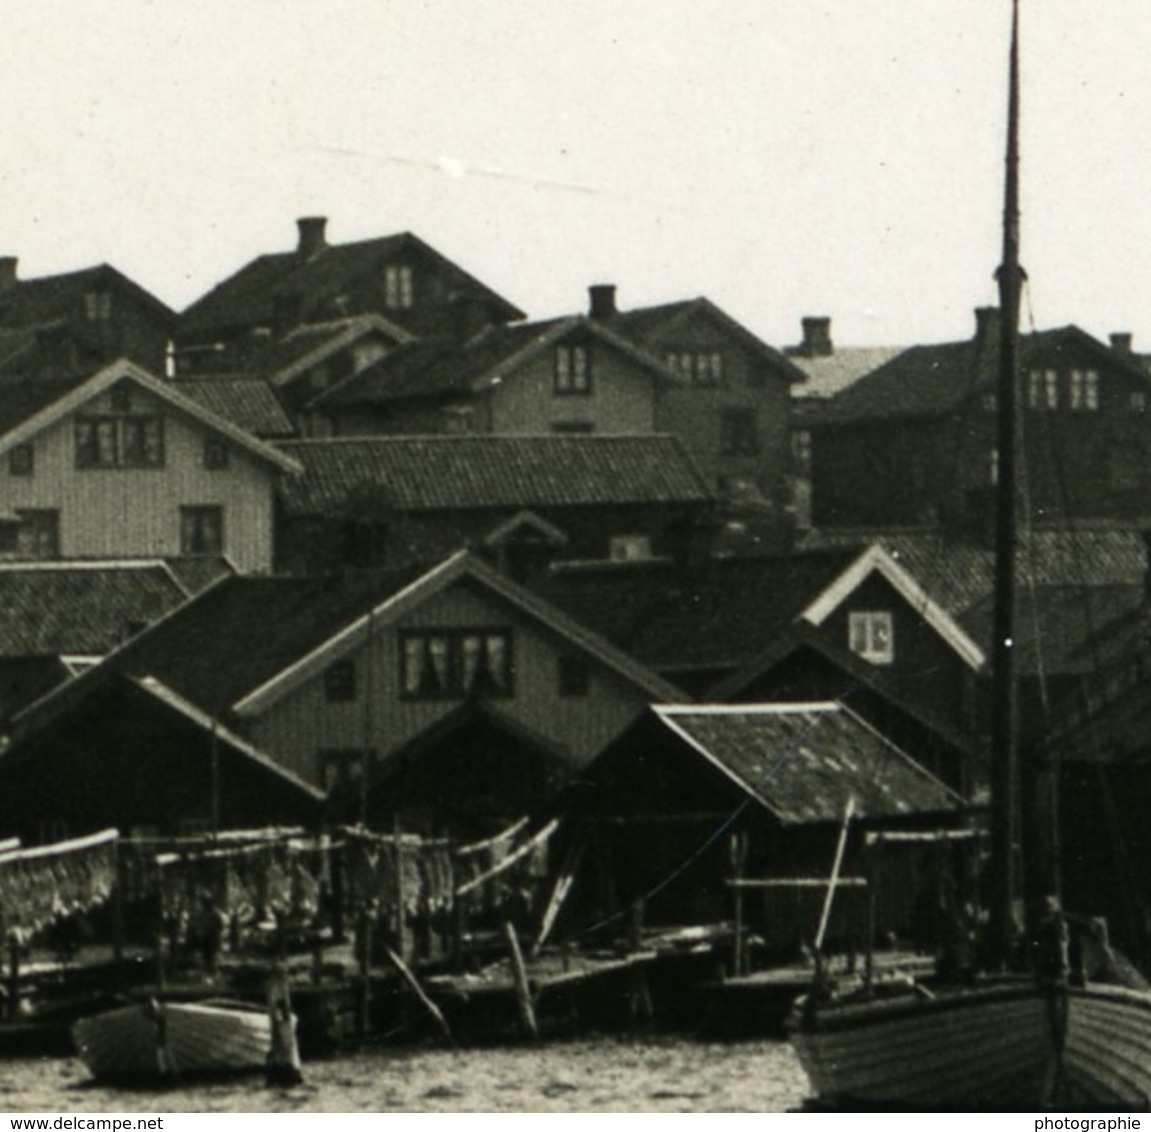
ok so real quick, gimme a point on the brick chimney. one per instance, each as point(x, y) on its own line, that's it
point(601, 300)
point(1121, 341)
point(312, 239)
point(816, 337)
point(7, 272)
point(986, 327)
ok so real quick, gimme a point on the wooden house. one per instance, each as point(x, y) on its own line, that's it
point(913, 443)
point(134, 755)
point(698, 623)
point(519, 500)
point(59, 618)
point(565, 375)
point(464, 697)
point(732, 409)
point(104, 314)
point(691, 797)
point(121, 465)
point(399, 277)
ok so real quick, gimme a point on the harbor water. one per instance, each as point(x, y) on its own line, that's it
point(600, 1075)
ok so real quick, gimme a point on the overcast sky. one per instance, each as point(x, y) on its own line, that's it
point(784, 157)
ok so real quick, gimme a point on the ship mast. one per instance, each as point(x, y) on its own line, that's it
point(1004, 773)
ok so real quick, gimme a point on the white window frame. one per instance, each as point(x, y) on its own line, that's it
point(871, 635)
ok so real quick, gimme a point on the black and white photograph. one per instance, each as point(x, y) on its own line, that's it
point(575, 557)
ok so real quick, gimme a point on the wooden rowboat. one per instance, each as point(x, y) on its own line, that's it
point(166, 1041)
point(1007, 1045)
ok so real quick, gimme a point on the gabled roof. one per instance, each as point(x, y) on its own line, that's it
point(444, 366)
point(933, 381)
point(86, 608)
point(51, 297)
point(309, 344)
point(657, 326)
point(124, 370)
point(829, 374)
point(247, 297)
point(804, 762)
point(460, 566)
point(249, 403)
point(959, 574)
point(429, 473)
point(723, 613)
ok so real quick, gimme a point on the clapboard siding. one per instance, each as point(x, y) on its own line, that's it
point(297, 728)
point(129, 513)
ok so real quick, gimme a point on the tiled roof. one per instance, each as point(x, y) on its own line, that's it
point(454, 472)
point(286, 355)
point(248, 296)
point(803, 762)
point(249, 403)
point(832, 373)
point(1056, 625)
point(718, 614)
point(51, 297)
point(49, 609)
point(244, 630)
point(932, 381)
point(960, 574)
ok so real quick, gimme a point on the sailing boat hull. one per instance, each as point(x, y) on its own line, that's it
point(166, 1041)
point(1006, 1046)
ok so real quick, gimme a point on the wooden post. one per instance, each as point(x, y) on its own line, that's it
point(635, 925)
point(283, 1067)
point(421, 995)
point(364, 955)
point(520, 979)
point(400, 921)
point(737, 852)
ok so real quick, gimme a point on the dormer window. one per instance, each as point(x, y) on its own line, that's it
point(98, 306)
point(398, 289)
point(871, 636)
point(1084, 390)
point(573, 369)
point(1043, 389)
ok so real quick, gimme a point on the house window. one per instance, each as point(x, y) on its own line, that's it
point(444, 664)
point(119, 442)
point(20, 460)
point(573, 427)
point(1085, 389)
point(342, 771)
point(700, 367)
point(1043, 389)
point(574, 675)
point(801, 451)
point(629, 548)
point(98, 306)
point(201, 530)
point(38, 535)
point(990, 402)
point(573, 369)
point(340, 682)
point(870, 635)
point(215, 454)
point(738, 432)
point(993, 467)
point(1139, 401)
point(398, 291)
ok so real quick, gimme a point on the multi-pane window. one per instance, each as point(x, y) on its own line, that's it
point(871, 636)
point(398, 287)
point(738, 432)
point(98, 306)
point(215, 454)
point(801, 451)
point(340, 682)
point(441, 664)
point(1043, 389)
point(701, 367)
point(342, 771)
point(119, 442)
point(201, 530)
point(20, 460)
point(993, 467)
point(1084, 386)
point(629, 548)
point(573, 368)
